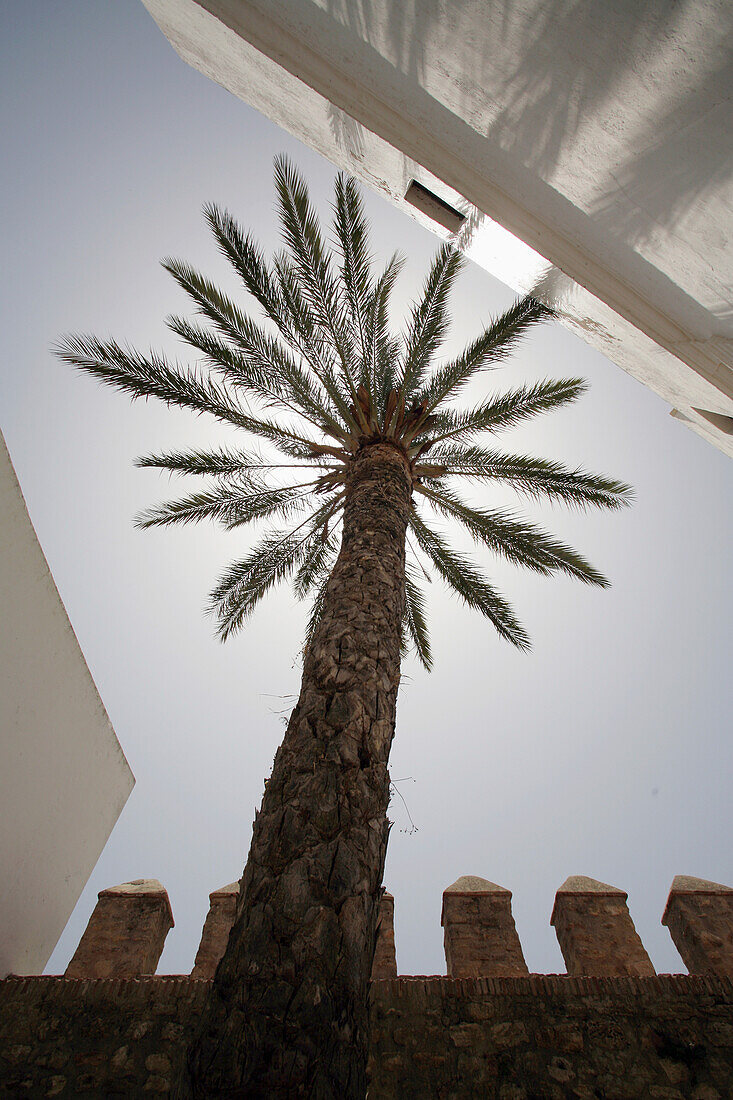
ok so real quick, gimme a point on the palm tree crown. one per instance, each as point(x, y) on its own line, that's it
point(327, 362)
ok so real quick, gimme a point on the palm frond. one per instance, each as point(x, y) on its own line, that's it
point(317, 562)
point(505, 410)
point(288, 441)
point(279, 295)
point(312, 263)
point(415, 622)
point(494, 344)
point(310, 340)
point(244, 583)
point(429, 321)
point(261, 367)
point(316, 612)
point(150, 376)
point(266, 368)
point(230, 505)
point(534, 477)
point(520, 543)
point(352, 236)
point(221, 463)
point(382, 349)
point(209, 300)
point(153, 376)
point(248, 260)
point(467, 582)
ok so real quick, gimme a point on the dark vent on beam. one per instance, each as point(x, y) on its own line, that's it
point(718, 420)
point(436, 208)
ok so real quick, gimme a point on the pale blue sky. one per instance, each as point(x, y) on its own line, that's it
point(604, 752)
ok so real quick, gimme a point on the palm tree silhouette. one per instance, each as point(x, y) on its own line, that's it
point(364, 446)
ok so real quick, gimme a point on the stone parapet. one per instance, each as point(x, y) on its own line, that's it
point(665, 1038)
point(600, 1029)
point(220, 918)
point(479, 934)
point(699, 915)
point(126, 932)
point(595, 930)
point(385, 960)
point(215, 934)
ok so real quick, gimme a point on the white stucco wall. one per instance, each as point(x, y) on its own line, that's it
point(63, 776)
point(597, 134)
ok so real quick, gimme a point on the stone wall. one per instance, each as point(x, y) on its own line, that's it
point(552, 1038)
point(609, 1029)
point(529, 1038)
point(126, 932)
point(99, 1037)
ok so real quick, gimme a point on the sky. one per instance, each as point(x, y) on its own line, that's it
point(604, 752)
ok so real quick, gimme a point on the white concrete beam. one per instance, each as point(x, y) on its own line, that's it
point(596, 137)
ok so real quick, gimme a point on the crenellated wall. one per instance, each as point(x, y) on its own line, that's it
point(126, 932)
point(609, 1029)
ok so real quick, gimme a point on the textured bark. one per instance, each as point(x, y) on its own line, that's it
point(288, 1014)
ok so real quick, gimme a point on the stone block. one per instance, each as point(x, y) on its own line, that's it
point(125, 934)
point(595, 931)
point(479, 933)
point(699, 915)
point(385, 962)
point(215, 934)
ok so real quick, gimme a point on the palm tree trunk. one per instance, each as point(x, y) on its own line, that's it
point(288, 1014)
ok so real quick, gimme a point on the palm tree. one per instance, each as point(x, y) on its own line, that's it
point(367, 439)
